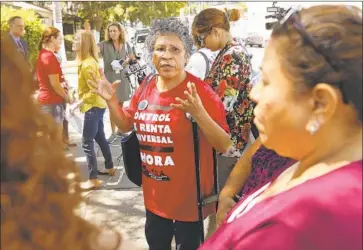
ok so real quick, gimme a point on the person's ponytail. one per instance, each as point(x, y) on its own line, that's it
point(47, 34)
point(233, 15)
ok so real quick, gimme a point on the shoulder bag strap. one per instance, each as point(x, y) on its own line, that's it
point(206, 61)
point(147, 81)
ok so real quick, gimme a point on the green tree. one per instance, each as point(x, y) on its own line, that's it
point(96, 12)
point(145, 12)
point(133, 12)
point(33, 28)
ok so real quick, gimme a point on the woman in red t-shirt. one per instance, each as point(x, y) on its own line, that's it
point(49, 74)
point(157, 111)
point(309, 108)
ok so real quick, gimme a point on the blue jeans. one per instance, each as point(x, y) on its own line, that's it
point(55, 110)
point(93, 130)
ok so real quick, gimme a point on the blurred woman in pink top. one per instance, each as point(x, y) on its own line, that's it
point(309, 108)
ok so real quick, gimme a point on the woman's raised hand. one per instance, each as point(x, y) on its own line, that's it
point(103, 87)
point(192, 104)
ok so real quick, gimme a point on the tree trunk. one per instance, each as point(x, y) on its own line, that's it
point(57, 21)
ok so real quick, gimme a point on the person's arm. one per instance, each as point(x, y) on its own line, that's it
point(122, 118)
point(56, 85)
point(213, 129)
point(51, 67)
point(215, 135)
point(119, 117)
point(240, 172)
point(235, 182)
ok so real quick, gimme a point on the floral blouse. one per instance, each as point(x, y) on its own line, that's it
point(230, 77)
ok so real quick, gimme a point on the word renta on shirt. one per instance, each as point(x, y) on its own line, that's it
point(47, 64)
point(167, 152)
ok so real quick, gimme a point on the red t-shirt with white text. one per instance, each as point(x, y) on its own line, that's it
point(48, 64)
point(167, 151)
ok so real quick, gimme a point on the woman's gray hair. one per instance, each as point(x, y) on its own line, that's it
point(167, 26)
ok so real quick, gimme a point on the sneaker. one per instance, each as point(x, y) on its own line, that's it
point(112, 138)
point(91, 184)
point(120, 135)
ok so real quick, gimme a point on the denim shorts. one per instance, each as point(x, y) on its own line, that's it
point(55, 110)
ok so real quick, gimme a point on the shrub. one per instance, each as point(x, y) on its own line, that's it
point(33, 28)
point(68, 40)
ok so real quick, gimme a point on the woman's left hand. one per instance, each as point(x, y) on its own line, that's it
point(192, 104)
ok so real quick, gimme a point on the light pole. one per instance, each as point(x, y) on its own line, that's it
point(57, 23)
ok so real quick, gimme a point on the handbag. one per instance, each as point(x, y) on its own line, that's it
point(131, 151)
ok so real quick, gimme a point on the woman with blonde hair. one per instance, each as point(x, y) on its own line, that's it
point(92, 105)
point(117, 52)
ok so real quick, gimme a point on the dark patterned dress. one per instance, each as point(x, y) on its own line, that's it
point(266, 165)
point(230, 77)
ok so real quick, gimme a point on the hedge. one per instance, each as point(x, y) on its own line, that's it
point(33, 28)
point(68, 41)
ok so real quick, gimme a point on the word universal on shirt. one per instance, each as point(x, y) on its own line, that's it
point(160, 129)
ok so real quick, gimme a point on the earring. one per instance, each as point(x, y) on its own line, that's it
point(313, 126)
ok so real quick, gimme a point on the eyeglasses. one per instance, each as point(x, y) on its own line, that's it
point(201, 38)
point(173, 50)
point(291, 17)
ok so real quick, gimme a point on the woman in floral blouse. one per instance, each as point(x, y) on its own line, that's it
point(230, 77)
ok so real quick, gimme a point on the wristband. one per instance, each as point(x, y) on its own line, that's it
point(121, 62)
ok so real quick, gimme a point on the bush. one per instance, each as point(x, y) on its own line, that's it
point(33, 28)
point(68, 41)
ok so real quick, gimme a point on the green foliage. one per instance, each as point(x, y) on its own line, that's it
point(68, 40)
point(144, 12)
point(33, 28)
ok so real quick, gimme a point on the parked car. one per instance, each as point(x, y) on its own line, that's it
point(142, 31)
point(139, 43)
point(255, 39)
